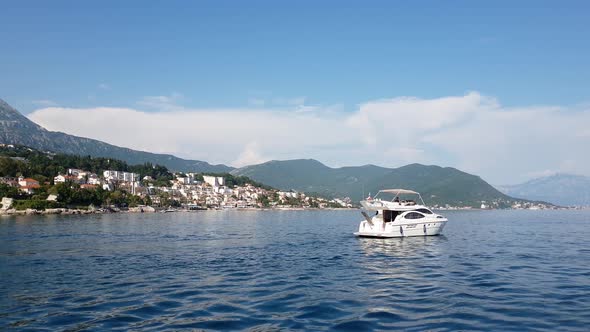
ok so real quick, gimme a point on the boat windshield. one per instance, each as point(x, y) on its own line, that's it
point(425, 211)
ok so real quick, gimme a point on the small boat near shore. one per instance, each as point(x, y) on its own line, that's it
point(399, 217)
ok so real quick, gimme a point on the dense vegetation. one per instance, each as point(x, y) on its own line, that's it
point(44, 167)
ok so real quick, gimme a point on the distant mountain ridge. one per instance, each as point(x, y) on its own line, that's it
point(560, 189)
point(15, 128)
point(437, 185)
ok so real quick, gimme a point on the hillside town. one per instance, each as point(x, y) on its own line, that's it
point(503, 204)
point(188, 191)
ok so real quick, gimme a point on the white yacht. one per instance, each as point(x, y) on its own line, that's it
point(399, 217)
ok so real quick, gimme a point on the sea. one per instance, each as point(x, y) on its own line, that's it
point(491, 270)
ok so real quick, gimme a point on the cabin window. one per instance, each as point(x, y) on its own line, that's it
point(389, 216)
point(425, 211)
point(386, 215)
point(414, 215)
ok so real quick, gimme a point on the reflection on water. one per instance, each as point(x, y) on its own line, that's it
point(400, 248)
point(293, 270)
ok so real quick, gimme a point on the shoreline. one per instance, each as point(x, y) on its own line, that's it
point(67, 211)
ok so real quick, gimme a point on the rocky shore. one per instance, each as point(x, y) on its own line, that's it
point(14, 212)
point(142, 209)
point(67, 211)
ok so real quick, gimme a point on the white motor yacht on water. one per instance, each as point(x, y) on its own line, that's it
point(397, 217)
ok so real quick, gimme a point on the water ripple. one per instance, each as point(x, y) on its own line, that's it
point(271, 271)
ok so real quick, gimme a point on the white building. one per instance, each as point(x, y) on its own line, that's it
point(73, 178)
point(288, 194)
point(112, 176)
point(93, 179)
point(183, 180)
point(60, 179)
point(76, 172)
point(214, 181)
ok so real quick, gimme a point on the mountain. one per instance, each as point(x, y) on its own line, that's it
point(15, 128)
point(560, 189)
point(437, 185)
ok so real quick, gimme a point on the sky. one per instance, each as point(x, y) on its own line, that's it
point(496, 89)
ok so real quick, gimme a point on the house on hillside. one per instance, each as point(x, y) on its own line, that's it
point(28, 185)
point(71, 178)
point(93, 179)
point(76, 172)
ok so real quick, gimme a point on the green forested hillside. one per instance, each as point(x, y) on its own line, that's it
point(437, 185)
point(17, 129)
point(44, 166)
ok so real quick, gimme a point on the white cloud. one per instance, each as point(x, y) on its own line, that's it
point(250, 155)
point(104, 86)
point(405, 119)
point(240, 135)
point(510, 143)
point(471, 132)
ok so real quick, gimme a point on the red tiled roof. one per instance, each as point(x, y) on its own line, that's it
point(31, 186)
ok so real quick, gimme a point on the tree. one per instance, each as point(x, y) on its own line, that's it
point(64, 192)
point(263, 199)
point(8, 191)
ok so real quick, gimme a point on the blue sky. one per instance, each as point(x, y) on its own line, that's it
point(331, 56)
point(223, 53)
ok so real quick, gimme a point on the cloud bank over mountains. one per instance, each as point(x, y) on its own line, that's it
point(472, 132)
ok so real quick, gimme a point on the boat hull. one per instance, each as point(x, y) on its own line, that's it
point(427, 228)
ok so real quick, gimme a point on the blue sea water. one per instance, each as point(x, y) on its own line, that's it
point(294, 270)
